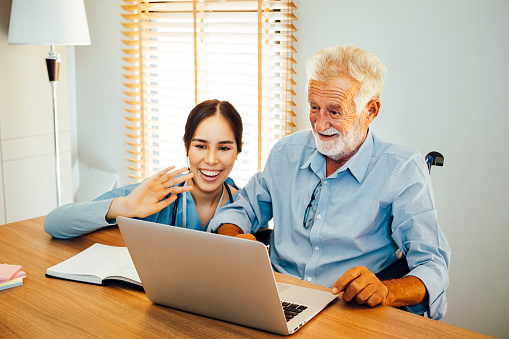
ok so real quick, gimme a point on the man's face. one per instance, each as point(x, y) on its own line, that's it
point(338, 130)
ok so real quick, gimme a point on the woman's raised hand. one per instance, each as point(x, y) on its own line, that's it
point(149, 197)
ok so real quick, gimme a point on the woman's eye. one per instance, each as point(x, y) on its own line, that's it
point(200, 146)
point(224, 148)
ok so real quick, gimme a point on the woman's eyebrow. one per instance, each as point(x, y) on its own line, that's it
point(200, 140)
point(227, 142)
point(206, 141)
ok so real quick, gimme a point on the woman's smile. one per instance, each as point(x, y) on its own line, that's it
point(210, 175)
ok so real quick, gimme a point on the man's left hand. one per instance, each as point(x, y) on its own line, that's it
point(234, 231)
point(362, 286)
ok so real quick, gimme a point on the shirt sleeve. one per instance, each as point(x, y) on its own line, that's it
point(251, 208)
point(416, 231)
point(76, 219)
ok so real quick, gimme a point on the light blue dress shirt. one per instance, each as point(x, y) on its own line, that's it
point(377, 202)
point(73, 220)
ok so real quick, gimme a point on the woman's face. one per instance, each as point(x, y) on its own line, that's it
point(212, 154)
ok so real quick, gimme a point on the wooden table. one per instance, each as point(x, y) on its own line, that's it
point(44, 307)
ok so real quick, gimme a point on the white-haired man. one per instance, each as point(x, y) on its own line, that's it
point(344, 202)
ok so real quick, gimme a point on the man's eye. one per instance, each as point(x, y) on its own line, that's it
point(314, 108)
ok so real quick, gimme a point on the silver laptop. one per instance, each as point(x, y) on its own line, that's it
point(217, 276)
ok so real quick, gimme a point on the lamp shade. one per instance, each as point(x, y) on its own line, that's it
point(48, 22)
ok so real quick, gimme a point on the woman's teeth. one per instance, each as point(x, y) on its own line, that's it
point(210, 173)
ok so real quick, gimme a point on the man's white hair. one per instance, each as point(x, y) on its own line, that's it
point(362, 66)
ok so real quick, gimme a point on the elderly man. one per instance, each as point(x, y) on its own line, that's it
point(344, 202)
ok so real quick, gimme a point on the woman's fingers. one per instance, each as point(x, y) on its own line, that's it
point(167, 182)
point(165, 175)
point(178, 189)
point(166, 202)
point(176, 180)
point(160, 174)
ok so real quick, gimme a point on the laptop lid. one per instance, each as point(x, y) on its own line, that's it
point(208, 274)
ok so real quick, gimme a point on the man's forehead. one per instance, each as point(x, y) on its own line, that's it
point(338, 88)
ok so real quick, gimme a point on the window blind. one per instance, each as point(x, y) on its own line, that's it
point(179, 53)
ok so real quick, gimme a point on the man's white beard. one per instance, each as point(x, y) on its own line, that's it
point(341, 146)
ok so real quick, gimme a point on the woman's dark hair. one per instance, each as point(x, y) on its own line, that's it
point(207, 109)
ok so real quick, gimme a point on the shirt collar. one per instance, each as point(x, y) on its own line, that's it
point(358, 164)
point(316, 162)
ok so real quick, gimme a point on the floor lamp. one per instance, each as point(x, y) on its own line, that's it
point(50, 22)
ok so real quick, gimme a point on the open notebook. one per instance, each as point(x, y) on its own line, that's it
point(97, 264)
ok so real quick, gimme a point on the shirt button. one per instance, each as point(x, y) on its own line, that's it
point(309, 279)
point(317, 248)
point(319, 216)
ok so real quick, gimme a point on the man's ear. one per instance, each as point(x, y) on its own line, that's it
point(373, 108)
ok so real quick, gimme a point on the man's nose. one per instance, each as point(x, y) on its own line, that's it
point(322, 120)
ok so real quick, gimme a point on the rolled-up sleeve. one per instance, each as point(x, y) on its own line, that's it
point(436, 305)
point(416, 231)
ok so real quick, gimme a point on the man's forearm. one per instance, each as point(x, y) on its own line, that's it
point(406, 291)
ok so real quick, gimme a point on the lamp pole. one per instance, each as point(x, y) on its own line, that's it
point(50, 22)
point(53, 66)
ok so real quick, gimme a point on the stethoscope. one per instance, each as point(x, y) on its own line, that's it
point(184, 204)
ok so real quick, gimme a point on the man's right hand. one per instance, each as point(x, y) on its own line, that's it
point(234, 231)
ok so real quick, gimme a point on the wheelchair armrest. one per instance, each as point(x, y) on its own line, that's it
point(263, 235)
point(394, 271)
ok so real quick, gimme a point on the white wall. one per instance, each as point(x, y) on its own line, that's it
point(99, 90)
point(444, 91)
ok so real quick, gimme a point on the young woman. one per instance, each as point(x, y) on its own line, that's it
point(213, 139)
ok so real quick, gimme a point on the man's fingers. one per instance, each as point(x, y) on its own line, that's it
point(362, 286)
point(247, 236)
point(346, 279)
point(375, 299)
point(371, 295)
point(353, 289)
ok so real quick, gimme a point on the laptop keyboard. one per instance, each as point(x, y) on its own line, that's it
point(291, 310)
